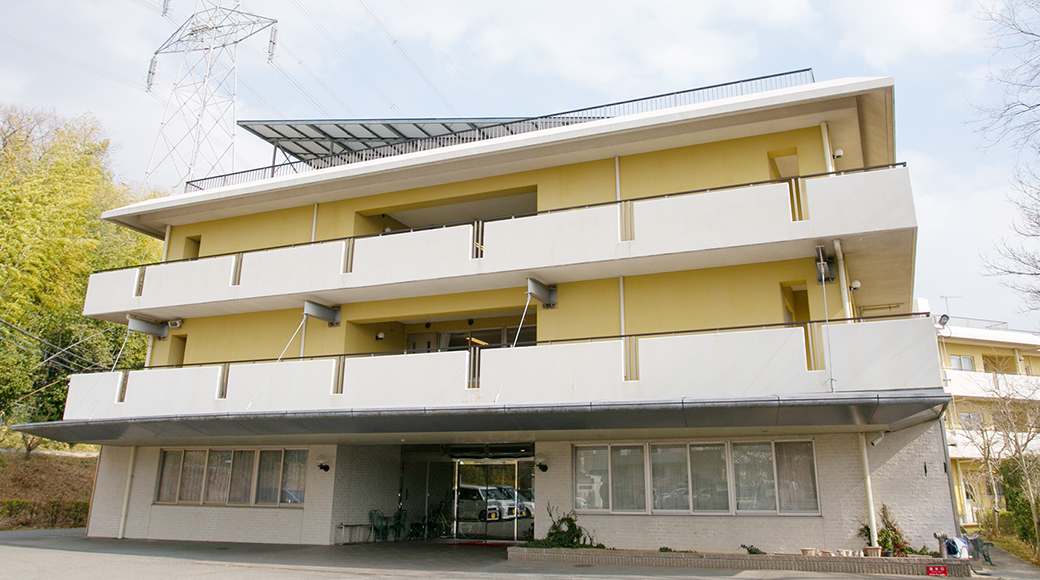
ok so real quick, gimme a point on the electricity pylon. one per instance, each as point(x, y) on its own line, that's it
point(197, 134)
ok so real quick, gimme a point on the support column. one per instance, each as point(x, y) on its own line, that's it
point(871, 518)
point(126, 492)
point(828, 161)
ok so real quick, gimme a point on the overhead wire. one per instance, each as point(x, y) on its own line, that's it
point(44, 342)
point(375, 55)
point(446, 57)
point(67, 60)
point(308, 70)
point(408, 57)
point(346, 56)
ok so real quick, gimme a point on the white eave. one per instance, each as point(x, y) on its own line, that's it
point(626, 135)
point(1002, 338)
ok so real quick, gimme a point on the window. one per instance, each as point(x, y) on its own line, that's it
point(669, 475)
point(753, 476)
point(746, 477)
point(796, 477)
point(970, 420)
point(962, 363)
point(710, 482)
point(227, 476)
point(628, 478)
point(591, 468)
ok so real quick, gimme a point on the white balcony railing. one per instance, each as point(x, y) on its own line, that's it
point(681, 231)
point(864, 356)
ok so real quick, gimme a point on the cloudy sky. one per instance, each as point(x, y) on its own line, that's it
point(389, 58)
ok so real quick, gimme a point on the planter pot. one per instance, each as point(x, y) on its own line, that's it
point(808, 551)
point(886, 554)
point(872, 552)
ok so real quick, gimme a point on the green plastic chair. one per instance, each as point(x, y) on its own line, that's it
point(379, 527)
point(400, 523)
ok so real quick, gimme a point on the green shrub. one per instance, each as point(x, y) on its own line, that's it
point(20, 513)
point(890, 537)
point(564, 532)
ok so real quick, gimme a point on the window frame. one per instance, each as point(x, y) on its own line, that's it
point(730, 478)
point(253, 482)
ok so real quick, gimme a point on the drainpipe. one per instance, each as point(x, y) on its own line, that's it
point(871, 519)
point(126, 492)
point(827, 159)
point(842, 281)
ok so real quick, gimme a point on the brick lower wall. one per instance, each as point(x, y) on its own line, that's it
point(842, 565)
point(919, 501)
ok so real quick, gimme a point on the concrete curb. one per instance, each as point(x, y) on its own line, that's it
point(847, 565)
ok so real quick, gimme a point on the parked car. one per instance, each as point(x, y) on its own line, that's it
point(483, 503)
point(522, 507)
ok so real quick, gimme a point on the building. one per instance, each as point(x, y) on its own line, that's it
point(989, 372)
point(687, 318)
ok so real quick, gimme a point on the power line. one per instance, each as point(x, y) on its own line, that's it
point(74, 63)
point(445, 55)
point(375, 55)
point(303, 65)
point(350, 60)
point(408, 57)
point(44, 342)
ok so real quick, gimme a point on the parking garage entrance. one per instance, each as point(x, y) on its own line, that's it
point(470, 495)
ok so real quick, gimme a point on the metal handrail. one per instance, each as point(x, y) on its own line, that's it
point(611, 110)
point(686, 332)
point(522, 215)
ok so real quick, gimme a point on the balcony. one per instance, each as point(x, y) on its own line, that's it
point(985, 385)
point(711, 228)
point(862, 357)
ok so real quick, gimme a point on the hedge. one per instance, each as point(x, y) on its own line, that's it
point(21, 513)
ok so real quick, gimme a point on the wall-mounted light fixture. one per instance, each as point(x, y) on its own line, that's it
point(944, 319)
point(380, 336)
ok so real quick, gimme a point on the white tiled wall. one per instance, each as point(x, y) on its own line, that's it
point(919, 502)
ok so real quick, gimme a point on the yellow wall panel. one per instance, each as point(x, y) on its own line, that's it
point(717, 164)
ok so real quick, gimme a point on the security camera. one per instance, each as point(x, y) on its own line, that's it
point(838, 153)
point(855, 285)
point(876, 440)
point(323, 464)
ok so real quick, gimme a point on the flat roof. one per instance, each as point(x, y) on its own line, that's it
point(728, 118)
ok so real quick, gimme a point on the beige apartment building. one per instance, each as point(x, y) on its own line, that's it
point(688, 318)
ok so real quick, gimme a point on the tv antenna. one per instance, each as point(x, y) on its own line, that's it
point(197, 133)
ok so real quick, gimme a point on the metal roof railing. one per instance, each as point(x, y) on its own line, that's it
point(622, 108)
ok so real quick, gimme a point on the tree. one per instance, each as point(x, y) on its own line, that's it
point(1015, 119)
point(1016, 417)
point(55, 181)
point(983, 435)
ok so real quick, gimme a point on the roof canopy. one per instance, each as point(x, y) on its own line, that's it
point(850, 411)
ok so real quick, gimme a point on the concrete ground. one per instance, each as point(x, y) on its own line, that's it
point(1006, 566)
point(68, 553)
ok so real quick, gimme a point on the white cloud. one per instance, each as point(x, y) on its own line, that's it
point(885, 32)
